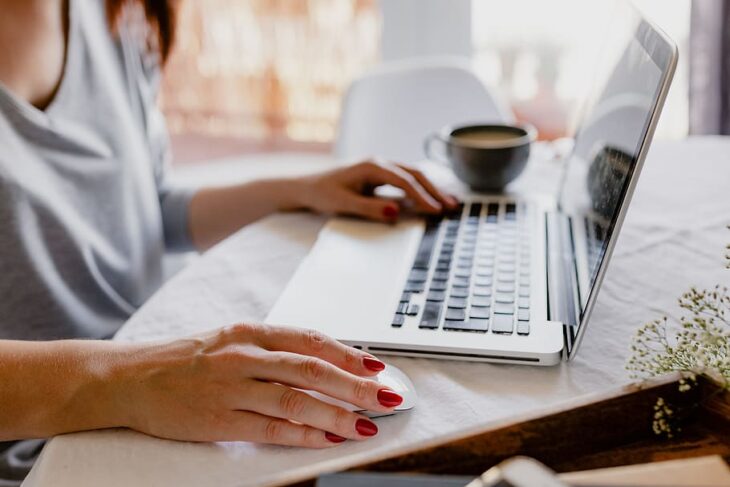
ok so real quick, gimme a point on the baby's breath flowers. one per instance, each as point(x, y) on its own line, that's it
point(698, 344)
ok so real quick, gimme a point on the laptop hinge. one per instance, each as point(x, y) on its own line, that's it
point(561, 278)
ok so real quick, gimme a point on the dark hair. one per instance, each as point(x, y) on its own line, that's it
point(160, 16)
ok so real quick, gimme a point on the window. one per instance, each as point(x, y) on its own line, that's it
point(272, 72)
point(543, 61)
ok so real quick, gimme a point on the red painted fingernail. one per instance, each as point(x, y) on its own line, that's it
point(390, 212)
point(373, 364)
point(388, 398)
point(334, 438)
point(366, 428)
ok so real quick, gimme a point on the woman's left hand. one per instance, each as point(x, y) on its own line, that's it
point(350, 191)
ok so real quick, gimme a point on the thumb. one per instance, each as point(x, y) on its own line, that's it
point(377, 209)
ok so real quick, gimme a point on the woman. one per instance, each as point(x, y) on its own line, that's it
point(86, 214)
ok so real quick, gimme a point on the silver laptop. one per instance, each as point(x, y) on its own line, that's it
point(505, 278)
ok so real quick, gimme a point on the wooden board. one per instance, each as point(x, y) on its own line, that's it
point(603, 431)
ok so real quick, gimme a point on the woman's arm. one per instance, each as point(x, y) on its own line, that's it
point(218, 212)
point(225, 385)
point(48, 388)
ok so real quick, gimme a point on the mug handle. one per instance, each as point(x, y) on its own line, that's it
point(428, 148)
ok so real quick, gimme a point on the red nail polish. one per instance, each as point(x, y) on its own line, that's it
point(373, 364)
point(366, 428)
point(334, 438)
point(388, 398)
point(390, 212)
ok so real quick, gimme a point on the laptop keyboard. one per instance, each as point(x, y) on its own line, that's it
point(473, 268)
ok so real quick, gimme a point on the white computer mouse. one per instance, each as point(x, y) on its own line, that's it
point(393, 378)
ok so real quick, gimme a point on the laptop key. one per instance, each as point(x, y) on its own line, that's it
point(504, 308)
point(431, 315)
point(398, 320)
point(414, 287)
point(425, 249)
point(523, 315)
point(523, 303)
point(479, 313)
point(418, 275)
point(481, 291)
point(481, 301)
point(484, 271)
point(438, 286)
point(506, 278)
point(462, 272)
point(440, 276)
point(455, 314)
point(505, 287)
point(504, 298)
point(459, 292)
point(412, 310)
point(523, 327)
point(460, 282)
point(483, 281)
point(402, 307)
point(524, 291)
point(405, 297)
point(477, 325)
point(502, 324)
point(436, 296)
point(459, 303)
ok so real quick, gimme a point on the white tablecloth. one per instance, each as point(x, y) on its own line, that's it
point(673, 237)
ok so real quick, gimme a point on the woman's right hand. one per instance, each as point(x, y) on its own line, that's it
point(240, 384)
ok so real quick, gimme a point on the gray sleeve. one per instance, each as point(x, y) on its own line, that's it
point(174, 200)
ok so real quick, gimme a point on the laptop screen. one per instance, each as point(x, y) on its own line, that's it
point(609, 142)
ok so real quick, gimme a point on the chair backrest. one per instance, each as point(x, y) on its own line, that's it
point(391, 110)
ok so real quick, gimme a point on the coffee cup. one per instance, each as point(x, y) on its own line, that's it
point(486, 157)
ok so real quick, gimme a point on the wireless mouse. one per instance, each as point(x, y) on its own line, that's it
point(393, 378)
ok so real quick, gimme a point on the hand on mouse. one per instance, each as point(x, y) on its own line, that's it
point(239, 383)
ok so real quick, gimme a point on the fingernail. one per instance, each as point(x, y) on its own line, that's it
point(334, 438)
point(388, 398)
point(390, 212)
point(453, 201)
point(366, 428)
point(373, 364)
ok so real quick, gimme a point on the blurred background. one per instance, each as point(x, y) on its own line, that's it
point(263, 76)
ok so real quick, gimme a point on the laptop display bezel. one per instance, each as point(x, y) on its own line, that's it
point(663, 52)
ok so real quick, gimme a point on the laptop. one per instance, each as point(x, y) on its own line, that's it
point(505, 278)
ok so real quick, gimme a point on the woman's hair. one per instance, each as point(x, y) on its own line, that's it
point(160, 17)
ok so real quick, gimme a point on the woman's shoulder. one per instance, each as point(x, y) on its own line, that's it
point(127, 34)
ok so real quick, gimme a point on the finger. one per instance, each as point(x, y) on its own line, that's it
point(286, 403)
point(316, 344)
point(249, 426)
point(372, 208)
point(312, 373)
point(395, 176)
point(446, 200)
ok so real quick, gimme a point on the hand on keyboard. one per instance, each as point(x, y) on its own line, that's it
point(350, 191)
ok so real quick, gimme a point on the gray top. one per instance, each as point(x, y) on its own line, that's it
point(85, 212)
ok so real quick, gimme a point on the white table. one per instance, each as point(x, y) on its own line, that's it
point(673, 237)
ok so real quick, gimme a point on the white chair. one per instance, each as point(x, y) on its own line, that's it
point(389, 111)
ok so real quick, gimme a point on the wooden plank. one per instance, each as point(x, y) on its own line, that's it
point(602, 431)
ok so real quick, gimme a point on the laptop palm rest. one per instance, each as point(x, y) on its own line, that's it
point(351, 280)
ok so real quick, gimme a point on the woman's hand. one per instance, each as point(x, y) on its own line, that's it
point(215, 213)
point(240, 383)
point(350, 190)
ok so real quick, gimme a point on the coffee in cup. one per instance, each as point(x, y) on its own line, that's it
point(486, 157)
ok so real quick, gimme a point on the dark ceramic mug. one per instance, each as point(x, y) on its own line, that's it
point(486, 157)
